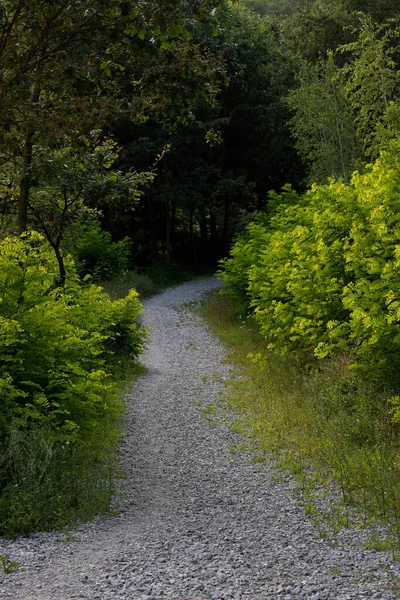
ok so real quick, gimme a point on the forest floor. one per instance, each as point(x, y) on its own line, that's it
point(198, 519)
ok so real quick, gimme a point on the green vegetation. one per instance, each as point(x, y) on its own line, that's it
point(71, 75)
point(150, 281)
point(6, 566)
point(322, 422)
point(60, 406)
point(137, 141)
point(321, 274)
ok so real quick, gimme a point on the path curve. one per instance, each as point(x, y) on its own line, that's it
point(196, 523)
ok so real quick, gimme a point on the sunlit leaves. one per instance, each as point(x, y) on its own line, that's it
point(323, 275)
point(53, 342)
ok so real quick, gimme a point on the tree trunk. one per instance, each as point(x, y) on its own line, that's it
point(173, 228)
point(61, 266)
point(203, 227)
point(226, 225)
point(193, 239)
point(167, 234)
point(213, 235)
point(23, 201)
point(153, 253)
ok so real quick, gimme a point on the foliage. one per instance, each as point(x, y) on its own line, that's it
point(73, 180)
point(57, 395)
point(55, 342)
point(235, 270)
point(322, 276)
point(284, 7)
point(99, 256)
point(380, 10)
point(323, 121)
point(373, 79)
point(220, 166)
point(322, 27)
point(330, 428)
point(83, 64)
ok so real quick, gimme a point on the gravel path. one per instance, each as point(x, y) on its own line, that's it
point(196, 523)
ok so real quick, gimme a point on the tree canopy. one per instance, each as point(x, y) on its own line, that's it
point(210, 105)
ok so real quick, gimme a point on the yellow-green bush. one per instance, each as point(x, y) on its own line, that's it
point(324, 274)
point(56, 346)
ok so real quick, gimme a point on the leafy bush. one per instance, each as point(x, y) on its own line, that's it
point(56, 345)
point(296, 284)
point(244, 254)
point(323, 274)
point(99, 256)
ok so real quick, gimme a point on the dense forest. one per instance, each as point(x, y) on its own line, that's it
point(147, 136)
point(168, 126)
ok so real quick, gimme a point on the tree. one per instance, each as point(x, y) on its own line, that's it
point(323, 121)
point(220, 165)
point(373, 81)
point(74, 65)
point(71, 182)
point(321, 26)
point(380, 10)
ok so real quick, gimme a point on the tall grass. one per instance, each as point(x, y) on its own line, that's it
point(151, 280)
point(118, 287)
point(326, 424)
point(51, 483)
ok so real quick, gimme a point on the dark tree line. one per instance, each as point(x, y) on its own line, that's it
point(170, 123)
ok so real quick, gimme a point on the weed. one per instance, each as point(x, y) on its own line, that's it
point(6, 566)
point(66, 538)
point(210, 410)
point(383, 543)
point(191, 346)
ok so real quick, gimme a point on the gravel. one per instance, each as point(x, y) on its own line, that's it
point(196, 521)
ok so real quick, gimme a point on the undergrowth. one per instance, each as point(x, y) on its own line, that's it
point(65, 355)
point(149, 281)
point(118, 286)
point(327, 425)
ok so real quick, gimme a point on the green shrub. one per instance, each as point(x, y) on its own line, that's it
point(249, 248)
point(234, 271)
point(322, 276)
point(297, 282)
point(99, 256)
point(56, 346)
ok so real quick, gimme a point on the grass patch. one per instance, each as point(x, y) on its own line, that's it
point(151, 280)
point(119, 286)
point(328, 426)
point(51, 484)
